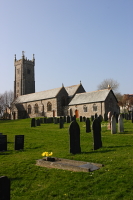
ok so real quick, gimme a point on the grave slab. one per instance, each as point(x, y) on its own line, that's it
point(70, 165)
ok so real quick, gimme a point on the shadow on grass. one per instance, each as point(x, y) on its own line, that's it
point(95, 151)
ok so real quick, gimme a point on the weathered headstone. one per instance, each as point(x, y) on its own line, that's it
point(33, 122)
point(109, 120)
point(74, 132)
point(3, 142)
point(81, 119)
point(120, 124)
point(88, 130)
point(113, 124)
point(68, 119)
point(96, 130)
point(64, 119)
point(19, 142)
point(4, 188)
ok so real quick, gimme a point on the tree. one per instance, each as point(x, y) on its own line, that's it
point(109, 83)
point(5, 100)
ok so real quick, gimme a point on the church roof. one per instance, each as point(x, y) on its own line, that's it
point(90, 97)
point(47, 94)
point(71, 90)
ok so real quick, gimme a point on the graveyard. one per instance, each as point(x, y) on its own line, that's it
point(25, 145)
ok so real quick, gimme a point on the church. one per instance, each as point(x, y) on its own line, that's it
point(62, 101)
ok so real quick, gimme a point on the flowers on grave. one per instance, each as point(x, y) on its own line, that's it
point(47, 154)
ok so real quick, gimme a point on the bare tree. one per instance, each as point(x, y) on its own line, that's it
point(113, 84)
point(5, 100)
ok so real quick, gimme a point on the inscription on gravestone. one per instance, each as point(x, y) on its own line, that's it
point(4, 188)
point(3, 142)
point(19, 142)
point(74, 132)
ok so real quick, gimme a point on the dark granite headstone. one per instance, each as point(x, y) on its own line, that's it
point(55, 120)
point(96, 115)
point(105, 117)
point(19, 142)
point(38, 122)
point(61, 124)
point(33, 122)
point(81, 119)
point(100, 118)
point(74, 132)
point(3, 142)
point(45, 120)
point(96, 130)
point(4, 188)
point(84, 119)
point(88, 130)
point(41, 121)
point(68, 119)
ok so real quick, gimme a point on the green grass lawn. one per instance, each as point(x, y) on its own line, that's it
point(112, 182)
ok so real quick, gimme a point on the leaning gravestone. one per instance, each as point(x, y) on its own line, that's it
point(74, 132)
point(4, 188)
point(120, 124)
point(88, 130)
point(113, 124)
point(3, 142)
point(19, 142)
point(33, 122)
point(96, 130)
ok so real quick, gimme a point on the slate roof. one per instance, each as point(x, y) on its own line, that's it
point(71, 90)
point(90, 97)
point(47, 94)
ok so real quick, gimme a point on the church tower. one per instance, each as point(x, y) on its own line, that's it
point(24, 76)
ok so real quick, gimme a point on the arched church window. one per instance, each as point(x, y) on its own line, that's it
point(29, 109)
point(85, 108)
point(49, 106)
point(36, 108)
point(94, 107)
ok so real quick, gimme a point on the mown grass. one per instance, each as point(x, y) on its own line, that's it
point(28, 181)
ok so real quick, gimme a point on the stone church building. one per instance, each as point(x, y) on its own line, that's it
point(63, 101)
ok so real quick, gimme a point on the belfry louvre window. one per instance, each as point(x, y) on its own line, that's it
point(49, 106)
point(36, 108)
point(94, 107)
point(29, 109)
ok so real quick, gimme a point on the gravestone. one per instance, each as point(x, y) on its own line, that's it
point(58, 120)
point(84, 119)
point(55, 120)
point(116, 117)
point(4, 188)
point(61, 123)
point(113, 124)
point(19, 142)
point(92, 117)
point(96, 115)
point(100, 118)
point(38, 122)
point(33, 122)
point(120, 124)
point(105, 117)
point(74, 132)
point(45, 120)
point(3, 142)
point(96, 131)
point(132, 116)
point(68, 119)
point(41, 121)
point(88, 130)
point(81, 119)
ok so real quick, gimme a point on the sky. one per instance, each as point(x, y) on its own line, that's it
point(73, 41)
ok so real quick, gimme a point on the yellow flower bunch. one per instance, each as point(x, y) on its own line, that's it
point(47, 154)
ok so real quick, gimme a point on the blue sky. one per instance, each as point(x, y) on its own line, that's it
point(73, 40)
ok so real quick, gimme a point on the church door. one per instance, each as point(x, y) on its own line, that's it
point(77, 113)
